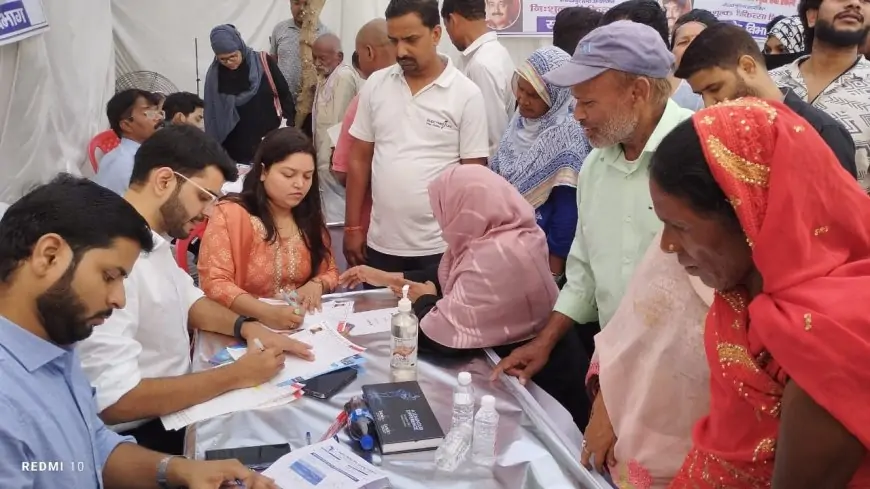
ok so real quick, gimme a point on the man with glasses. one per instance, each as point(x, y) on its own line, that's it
point(139, 360)
point(134, 116)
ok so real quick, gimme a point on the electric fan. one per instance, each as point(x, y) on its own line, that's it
point(145, 80)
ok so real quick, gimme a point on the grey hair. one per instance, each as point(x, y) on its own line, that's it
point(660, 88)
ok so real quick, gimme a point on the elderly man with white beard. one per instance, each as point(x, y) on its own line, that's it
point(619, 77)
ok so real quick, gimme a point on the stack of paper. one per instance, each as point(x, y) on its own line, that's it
point(326, 465)
point(332, 313)
point(331, 352)
point(370, 322)
point(267, 395)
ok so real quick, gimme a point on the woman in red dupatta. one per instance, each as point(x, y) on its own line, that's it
point(755, 204)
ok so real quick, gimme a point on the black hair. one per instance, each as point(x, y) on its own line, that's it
point(83, 213)
point(698, 15)
point(467, 9)
point(573, 24)
point(354, 59)
point(185, 149)
point(805, 6)
point(276, 147)
point(679, 168)
point(718, 46)
point(427, 10)
point(647, 12)
point(120, 106)
point(183, 103)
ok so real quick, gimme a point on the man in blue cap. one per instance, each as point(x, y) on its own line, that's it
point(619, 77)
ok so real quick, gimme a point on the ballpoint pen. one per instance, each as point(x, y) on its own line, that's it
point(308, 437)
point(259, 344)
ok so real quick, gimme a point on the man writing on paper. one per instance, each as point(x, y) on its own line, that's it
point(139, 361)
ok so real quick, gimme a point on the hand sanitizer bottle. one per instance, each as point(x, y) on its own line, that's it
point(403, 347)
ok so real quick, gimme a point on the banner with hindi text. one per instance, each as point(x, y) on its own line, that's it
point(20, 19)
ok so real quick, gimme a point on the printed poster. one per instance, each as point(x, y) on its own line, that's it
point(20, 19)
point(535, 18)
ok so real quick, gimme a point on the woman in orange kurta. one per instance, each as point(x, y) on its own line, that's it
point(270, 241)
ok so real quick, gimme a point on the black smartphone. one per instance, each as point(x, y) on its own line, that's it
point(255, 458)
point(327, 385)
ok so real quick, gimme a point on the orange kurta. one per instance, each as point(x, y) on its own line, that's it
point(235, 259)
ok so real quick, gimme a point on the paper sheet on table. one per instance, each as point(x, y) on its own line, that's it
point(266, 395)
point(326, 465)
point(328, 346)
point(334, 132)
point(333, 312)
point(370, 322)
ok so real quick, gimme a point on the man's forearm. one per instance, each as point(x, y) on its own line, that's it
point(556, 327)
point(208, 315)
point(153, 398)
point(133, 467)
point(358, 176)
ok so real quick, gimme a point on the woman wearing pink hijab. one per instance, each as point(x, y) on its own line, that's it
point(493, 286)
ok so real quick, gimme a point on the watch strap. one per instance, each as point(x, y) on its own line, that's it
point(162, 467)
point(237, 327)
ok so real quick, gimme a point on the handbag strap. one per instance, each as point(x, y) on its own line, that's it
point(264, 58)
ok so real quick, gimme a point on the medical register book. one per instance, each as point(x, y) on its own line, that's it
point(403, 417)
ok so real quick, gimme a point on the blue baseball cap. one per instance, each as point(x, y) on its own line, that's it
point(624, 46)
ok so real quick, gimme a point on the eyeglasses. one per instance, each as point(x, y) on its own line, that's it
point(233, 58)
point(213, 198)
point(155, 114)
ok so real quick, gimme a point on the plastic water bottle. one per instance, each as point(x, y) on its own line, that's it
point(360, 423)
point(463, 401)
point(485, 428)
point(454, 449)
point(403, 345)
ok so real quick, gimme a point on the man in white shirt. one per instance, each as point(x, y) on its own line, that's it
point(139, 360)
point(484, 60)
point(415, 119)
point(134, 116)
point(339, 84)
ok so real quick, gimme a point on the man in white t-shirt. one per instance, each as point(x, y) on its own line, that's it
point(484, 60)
point(415, 119)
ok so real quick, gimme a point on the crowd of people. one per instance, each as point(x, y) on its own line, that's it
point(659, 222)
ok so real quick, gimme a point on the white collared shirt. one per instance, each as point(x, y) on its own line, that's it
point(415, 139)
point(148, 338)
point(489, 65)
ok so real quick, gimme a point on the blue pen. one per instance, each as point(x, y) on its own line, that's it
point(308, 437)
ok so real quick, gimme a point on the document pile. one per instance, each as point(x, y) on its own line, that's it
point(326, 465)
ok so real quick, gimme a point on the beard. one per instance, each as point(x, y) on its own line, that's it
point(742, 89)
point(828, 34)
point(63, 314)
point(618, 129)
point(175, 216)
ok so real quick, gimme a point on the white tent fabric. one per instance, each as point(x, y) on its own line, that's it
point(54, 87)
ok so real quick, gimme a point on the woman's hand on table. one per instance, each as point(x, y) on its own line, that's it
point(415, 289)
point(364, 274)
point(195, 474)
point(524, 362)
point(599, 439)
point(309, 296)
point(256, 366)
point(279, 341)
point(283, 318)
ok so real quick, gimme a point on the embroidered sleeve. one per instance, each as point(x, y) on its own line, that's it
point(217, 267)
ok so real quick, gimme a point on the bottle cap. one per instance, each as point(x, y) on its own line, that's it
point(366, 442)
point(464, 378)
point(404, 302)
point(487, 402)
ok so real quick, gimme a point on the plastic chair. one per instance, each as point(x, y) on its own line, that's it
point(182, 245)
point(105, 141)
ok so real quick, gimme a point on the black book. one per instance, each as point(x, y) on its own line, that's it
point(403, 418)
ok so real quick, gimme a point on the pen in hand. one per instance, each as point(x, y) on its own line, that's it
point(259, 344)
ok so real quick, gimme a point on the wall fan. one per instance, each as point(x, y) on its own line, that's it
point(145, 80)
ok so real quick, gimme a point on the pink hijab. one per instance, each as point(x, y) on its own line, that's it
point(495, 275)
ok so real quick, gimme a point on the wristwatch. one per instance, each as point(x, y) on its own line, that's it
point(162, 466)
point(237, 328)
